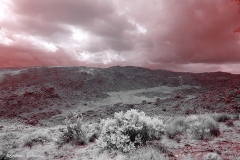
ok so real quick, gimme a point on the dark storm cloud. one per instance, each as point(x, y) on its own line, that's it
point(191, 35)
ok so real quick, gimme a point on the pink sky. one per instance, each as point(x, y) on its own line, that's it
point(176, 35)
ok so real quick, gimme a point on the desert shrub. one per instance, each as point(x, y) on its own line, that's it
point(221, 117)
point(128, 130)
point(212, 156)
point(201, 126)
point(177, 126)
point(36, 138)
point(78, 133)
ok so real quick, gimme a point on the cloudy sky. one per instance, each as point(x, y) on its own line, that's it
point(176, 35)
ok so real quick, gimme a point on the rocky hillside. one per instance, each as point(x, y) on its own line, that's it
point(41, 92)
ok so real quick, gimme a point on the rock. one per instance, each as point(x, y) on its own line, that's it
point(227, 100)
point(178, 96)
point(176, 106)
point(32, 122)
point(131, 106)
point(187, 145)
point(144, 102)
point(215, 132)
point(189, 112)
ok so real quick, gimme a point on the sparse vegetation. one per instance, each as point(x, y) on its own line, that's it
point(132, 132)
point(212, 156)
point(198, 126)
point(32, 109)
point(35, 138)
point(146, 153)
point(221, 117)
point(160, 147)
point(201, 126)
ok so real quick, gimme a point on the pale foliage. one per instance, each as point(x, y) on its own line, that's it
point(199, 126)
point(127, 130)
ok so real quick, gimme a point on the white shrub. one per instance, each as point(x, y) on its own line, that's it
point(127, 130)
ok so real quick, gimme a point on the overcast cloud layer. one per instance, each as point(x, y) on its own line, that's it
point(184, 35)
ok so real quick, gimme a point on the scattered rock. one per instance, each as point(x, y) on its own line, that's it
point(144, 102)
point(215, 132)
point(178, 96)
point(189, 111)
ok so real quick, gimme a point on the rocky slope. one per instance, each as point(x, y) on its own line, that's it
point(42, 98)
point(38, 93)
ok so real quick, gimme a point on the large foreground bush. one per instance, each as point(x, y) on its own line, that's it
point(128, 130)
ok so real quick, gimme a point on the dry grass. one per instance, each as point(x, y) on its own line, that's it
point(146, 153)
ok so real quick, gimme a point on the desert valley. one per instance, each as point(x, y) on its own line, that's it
point(38, 103)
